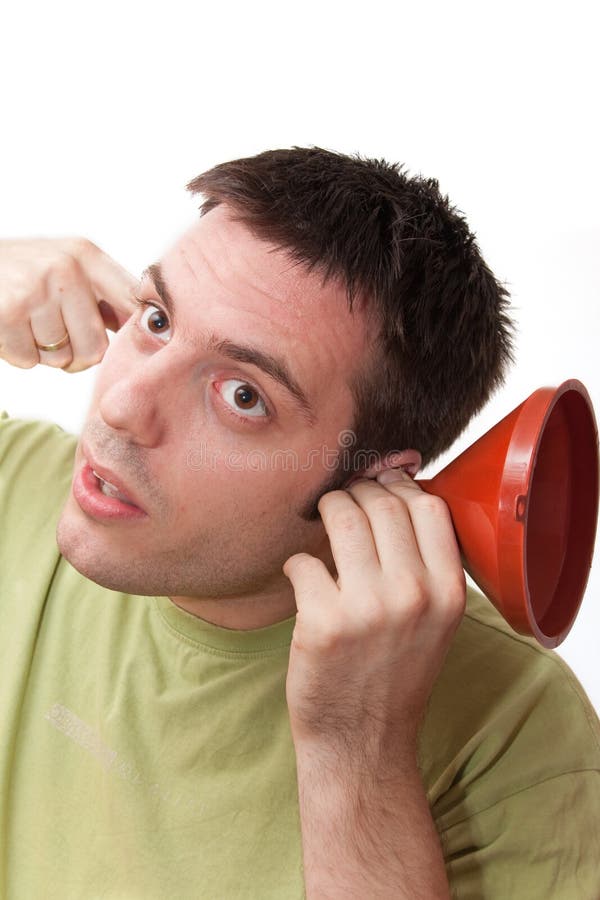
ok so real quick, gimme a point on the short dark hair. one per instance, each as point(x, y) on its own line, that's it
point(443, 336)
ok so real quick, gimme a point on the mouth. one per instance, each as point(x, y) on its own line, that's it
point(110, 490)
point(109, 483)
point(103, 500)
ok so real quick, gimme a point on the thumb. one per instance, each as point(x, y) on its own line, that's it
point(296, 563)
point(309, 575)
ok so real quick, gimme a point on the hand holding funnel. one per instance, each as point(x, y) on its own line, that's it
point(524, 504)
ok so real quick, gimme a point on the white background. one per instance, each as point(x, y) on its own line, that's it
point(109, 109)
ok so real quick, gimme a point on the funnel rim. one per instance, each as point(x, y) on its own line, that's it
point(516, 483)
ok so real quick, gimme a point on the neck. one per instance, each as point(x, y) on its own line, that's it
point(267, 607)
point(241, 613)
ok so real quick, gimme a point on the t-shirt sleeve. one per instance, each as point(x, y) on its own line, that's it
point(539, 843)
point(514, 760)
point(36, 465)
point(35, 476)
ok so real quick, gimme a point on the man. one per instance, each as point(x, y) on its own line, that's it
point(238, 656)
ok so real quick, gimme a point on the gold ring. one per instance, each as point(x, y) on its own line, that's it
point(51, 347)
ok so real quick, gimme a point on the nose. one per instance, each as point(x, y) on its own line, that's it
point(136, 403)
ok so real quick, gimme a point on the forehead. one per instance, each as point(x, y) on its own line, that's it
point(222, 276)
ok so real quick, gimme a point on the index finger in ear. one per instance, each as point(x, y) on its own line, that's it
point(397, 477)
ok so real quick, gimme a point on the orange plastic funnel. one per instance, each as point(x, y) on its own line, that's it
point(524, 503)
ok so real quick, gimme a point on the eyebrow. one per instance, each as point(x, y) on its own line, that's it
point(273, 366)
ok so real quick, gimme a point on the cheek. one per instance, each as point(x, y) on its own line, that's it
point(216, 489)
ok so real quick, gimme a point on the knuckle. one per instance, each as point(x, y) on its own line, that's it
point(377, 618)
point(328, 639)
point(416, 592)
point(79, 246)
point(97, 355)
point(65, 267)
point(387, 505)
point(12, 313)
point(58, 360)
point(94, 360)
point(74, 366)
point(18, 288)
point(25, 363)
point(432, 504)
point(346, 521)
point(456, 593)
point(80, 364)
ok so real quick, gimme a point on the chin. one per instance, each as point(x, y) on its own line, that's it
point(85, 554)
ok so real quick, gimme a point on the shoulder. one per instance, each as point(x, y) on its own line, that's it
point(511, 763)
point(36, 469)
point(32, 451)
point(505, 710)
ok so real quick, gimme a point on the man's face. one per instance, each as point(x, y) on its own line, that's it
point(220, 454)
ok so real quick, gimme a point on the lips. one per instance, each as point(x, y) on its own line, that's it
point(112, 479)
point(109, 490)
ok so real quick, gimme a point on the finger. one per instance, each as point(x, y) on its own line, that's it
point(109, 317)
point(398, 476)
point(41, 286)
point(311, 581)
point(433, 530)
point(71, 298)
point(48, 327)
point(391, 526)
point(17, 346)
point(350, 537)
point(86, 329)
point(111, 284)
point(435, 535)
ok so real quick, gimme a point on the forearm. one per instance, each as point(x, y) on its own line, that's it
point(368, 837)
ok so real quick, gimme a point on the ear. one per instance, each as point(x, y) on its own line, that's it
point(409, 460)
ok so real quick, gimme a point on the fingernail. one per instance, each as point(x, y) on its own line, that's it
point(389, 475)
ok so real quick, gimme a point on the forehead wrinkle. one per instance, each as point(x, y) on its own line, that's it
point(249, 262)
point(285, 270)
point(228, 261)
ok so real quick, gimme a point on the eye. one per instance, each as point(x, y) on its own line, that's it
point(242, 397)
point(153, 319)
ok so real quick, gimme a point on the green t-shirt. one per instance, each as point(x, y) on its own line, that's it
point(146, 754)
